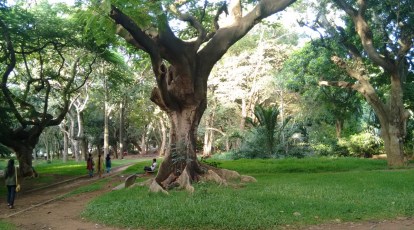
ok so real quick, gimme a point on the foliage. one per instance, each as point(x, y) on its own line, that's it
point(264, 139)
point(362, 144)
point(302, 73)
point(288, 192)
point(4, 151)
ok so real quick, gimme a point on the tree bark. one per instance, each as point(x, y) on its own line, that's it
point(182, 154)
point(339, 124)
point(74, 147)
point(162, 150)
point(83, 143)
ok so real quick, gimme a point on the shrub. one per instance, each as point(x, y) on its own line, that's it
point(362, 144)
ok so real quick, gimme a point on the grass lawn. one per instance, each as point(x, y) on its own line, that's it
point(293, 192)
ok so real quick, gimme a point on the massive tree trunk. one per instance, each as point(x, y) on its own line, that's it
point(23, 143)
point(183, 135)
point(393, 119)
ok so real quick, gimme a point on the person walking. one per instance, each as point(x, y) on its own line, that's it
point(10, 173)
point(108, 163)
point(89, 165)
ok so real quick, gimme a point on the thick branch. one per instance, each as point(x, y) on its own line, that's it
point(138, 35)
point(235, 10)
point(365, 34)
point(9, 68)
point(193, 22)
point(362, 86)
point(225, 37)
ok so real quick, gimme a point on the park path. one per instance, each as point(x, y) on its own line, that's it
point(46, 207)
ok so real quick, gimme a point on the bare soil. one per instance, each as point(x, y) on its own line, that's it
point(45, 208)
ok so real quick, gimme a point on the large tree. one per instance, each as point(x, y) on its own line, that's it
point(181, 67)
point(378, 40)
point(40, 70)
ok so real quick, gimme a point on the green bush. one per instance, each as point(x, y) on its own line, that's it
point(362, 144)
point(331, 149)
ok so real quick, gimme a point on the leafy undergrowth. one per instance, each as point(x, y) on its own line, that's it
point(288, 192)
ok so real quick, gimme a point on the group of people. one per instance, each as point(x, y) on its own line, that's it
point(90, 165)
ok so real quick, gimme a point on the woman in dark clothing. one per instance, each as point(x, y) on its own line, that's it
point(10, 178)
point(108, 163)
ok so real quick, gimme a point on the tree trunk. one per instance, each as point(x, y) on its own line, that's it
point(83, 144)
point(339, 124)
point(162, 150)
point(73, 137)
point(106, 120)
point(121, 127)
point(183, 134)
point(23, 143)
point(24, 155)
point(209, 135)
point(393, 125)
point(65, 131)
point(144, 142)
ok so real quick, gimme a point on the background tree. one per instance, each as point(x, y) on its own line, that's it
point(40, 71)
point(379, 35)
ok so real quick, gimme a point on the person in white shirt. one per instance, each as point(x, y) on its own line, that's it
point(152, 167)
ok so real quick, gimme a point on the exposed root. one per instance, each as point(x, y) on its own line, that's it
point(229, 174)
point(167, 182)
point(207, 173)
point(247, 179)
point(184, 181)
point(155, 187)
point(213, 176)
point(130, 180)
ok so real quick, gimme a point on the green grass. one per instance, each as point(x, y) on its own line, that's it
point(88, 188)
point(294, 192)
point(6, 225)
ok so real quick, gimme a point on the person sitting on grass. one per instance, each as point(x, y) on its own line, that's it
point(152, 167)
